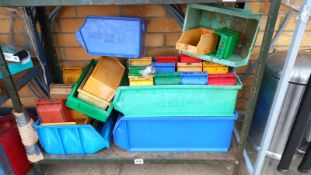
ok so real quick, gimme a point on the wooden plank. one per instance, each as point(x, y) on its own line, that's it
point(117, 155)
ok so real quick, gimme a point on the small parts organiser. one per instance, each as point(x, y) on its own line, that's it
point(188, 59)
point(214, 68)
point(166, 59)
point(164, 67)
point(222, 79)
point(194, 78)
point(167, 78)
point(144, 61)
point(140, 80)
point(200, 41)
point(189, 67)
point(53, 111)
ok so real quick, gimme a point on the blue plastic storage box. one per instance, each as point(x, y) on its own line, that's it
point(112, 36)
point(174, 134)
point(194, 78)
point(164, 67)
point(75, 139)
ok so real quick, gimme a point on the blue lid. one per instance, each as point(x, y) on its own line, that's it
point(112, 36)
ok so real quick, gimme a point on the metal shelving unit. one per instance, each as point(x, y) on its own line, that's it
point(116, 155)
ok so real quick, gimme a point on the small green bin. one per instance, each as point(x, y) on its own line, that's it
point(134, 70)
point(167, 78)
point(227, 43)
point(243, 21)
point(176, 100)
point(83, 107)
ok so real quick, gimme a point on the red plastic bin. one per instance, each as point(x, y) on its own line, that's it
point(166, 59)
point(53, 111)
point(222, 79)
point(188, 59)
point(13, 157)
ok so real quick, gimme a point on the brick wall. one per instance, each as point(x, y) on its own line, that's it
point(162, 34)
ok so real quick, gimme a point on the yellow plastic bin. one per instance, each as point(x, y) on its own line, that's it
point(141, 81)
point(143, 61)
point(71, 75)
point(200, 41)
point(214, 68)
point(105, 78)
point(189, 67)
point(79, 118)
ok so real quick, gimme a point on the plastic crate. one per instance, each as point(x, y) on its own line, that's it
point(83, 107)
point(198, 41)
point(188, 59)
point(79, 118)
point(53, 111)
point(174, 134)
point(166, 59)
point(75, 139)
point(218, 18)
point(13, 159)
point(112, 36)
point(222, 79)
point(140, 80)
point(194, 78)
point(227, 43)
point(105, 78)
point(174, 100)
point(144, 61)
point(164, 67)
point(71, 75)
point(134, 70)
point(15, 68)
point(214, 68)
point(59, 91)
point(189, 67)
point(167, 78)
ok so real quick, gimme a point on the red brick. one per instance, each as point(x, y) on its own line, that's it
point(105, 10)
point(70, 25)
point(76, 63)
point(77, 54)
point(254, 6)
point(67, 11)
point(242, 104)
point(171, 39)
point(60, 54)
point(161, 51)
point(154, 40)
point(162, 25)
point(25, 92)
point(4, 26)
point(286, 37)
point(26, 101)
point(142, 10)
point(65, 40)
point(265, 6)
point(245, 92)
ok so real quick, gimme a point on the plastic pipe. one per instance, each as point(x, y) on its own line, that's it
point(302, 21)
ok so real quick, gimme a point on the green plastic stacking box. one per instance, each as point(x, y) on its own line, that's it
point(134, 70)
point(243, 21)
point(176, 100)
point(81, 106)
point(167, 78)
point(227, 43)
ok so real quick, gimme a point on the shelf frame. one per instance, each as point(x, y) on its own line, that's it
point(236, 157)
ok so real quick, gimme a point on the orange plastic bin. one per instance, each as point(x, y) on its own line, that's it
point(53, 111)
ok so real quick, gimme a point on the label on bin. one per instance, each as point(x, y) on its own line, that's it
point(138, 161)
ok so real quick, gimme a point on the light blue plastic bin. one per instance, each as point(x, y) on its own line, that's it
point(164, 67)
point(112, 36)
point(194, 78)
point(75, 139)
point(174, 134)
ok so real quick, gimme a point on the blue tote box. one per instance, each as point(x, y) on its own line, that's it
point(174, 134)
point(164, 67)
point(194, 78)
point(112, 36)
point(75, 139)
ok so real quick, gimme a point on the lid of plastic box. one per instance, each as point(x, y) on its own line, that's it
point(112, 36)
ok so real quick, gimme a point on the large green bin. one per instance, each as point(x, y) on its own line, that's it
point(176, 100)
point(243, 21)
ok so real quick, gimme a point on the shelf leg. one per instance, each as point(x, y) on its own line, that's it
point(37, 169)
point(264, 51)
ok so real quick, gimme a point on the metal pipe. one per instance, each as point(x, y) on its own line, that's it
point(264, 51)
point(302, 20)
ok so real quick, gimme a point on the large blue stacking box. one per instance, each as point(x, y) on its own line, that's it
point(75, 139)
point(174, 134)
point(112, 36)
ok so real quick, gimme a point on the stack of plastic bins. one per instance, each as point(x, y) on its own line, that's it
point(175, 117)
point(229, 19)
point(75, 139)
point(165, 67)
point(135, 66)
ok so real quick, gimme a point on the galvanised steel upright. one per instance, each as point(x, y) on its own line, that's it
point(114, 155)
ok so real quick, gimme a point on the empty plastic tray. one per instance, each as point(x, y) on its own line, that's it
point(174, 100)
point(164, 67)
point(222, 79)
point(167, 78)
point(112, 36)
point(218, 18)
point(75, 139)
point(174, 134)
point(86, 108)
point(194, 78)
